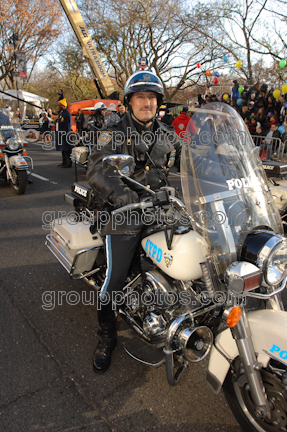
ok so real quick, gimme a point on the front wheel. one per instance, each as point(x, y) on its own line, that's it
point(241, 404)
point(19, 181)
point(284, 222)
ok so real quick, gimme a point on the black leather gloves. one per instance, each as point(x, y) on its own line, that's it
point(122, 196)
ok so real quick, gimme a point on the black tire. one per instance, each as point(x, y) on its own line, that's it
point(241, 403)
point(20, 181)
point(284, 222)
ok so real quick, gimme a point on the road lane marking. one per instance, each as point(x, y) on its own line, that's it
point(40, 177)
point(43, 178)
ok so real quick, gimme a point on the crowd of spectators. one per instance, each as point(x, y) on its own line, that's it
point(264, 116)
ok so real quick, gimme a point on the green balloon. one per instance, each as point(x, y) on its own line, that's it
point(282, 63)
point(240, 89)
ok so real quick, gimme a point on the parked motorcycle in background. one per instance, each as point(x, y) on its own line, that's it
point(13, 157)
point(81, 153)
point(277, 178)
point(199, 262)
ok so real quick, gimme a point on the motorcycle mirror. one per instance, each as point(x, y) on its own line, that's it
point(124, 164)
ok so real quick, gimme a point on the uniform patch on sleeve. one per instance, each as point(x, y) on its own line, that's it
point(104, 139)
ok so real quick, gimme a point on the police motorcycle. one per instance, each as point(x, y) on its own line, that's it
point(209, 274)
point(81, 152)
point(276, 173)
point(14, 166)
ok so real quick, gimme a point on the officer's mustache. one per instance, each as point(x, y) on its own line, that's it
point(146, 108)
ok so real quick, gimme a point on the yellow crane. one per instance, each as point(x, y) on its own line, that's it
point(101, 77)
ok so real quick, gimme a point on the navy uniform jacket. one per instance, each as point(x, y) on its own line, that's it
point(63, 124)
point(4, 120)
point(151, 170)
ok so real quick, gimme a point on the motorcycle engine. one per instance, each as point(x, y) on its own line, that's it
point(154, 324)
point(154, 300)
point(157, 299)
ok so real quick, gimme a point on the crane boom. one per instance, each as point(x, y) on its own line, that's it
point(102, 79)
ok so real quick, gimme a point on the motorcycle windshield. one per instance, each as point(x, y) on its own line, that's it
point(224, 184)
point(10, 129)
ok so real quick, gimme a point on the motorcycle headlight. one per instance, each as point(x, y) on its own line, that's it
point(268, 251)
point(12, 144)
point(276, 264)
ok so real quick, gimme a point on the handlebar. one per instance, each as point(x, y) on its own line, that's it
point(159, 198)
point(129, 207)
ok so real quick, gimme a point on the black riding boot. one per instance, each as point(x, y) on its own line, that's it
point(63, 160)
point(107, 339)
point(68, 162)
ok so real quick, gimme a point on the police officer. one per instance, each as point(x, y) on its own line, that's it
point(4, 120)
point(143, 93)
point(98, 117)
point(63, 127)
point(122, 110)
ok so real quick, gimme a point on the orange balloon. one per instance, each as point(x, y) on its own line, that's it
point(208, 73)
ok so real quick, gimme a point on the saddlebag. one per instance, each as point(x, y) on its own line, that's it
point(79, 154)
point(74, 246)
point(275, 169)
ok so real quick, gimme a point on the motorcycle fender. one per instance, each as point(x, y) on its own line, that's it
point(269, 337)
point(18, 162)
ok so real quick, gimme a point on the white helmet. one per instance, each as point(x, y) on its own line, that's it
point(99, 106)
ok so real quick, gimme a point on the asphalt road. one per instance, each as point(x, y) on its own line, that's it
point(47, 381)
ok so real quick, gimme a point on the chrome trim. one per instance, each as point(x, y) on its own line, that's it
point(12, 152)
point(134, 325)
point(241, 333)
point(236, 274)
point(244, 408)
point(275, 302)
point(173, 379)
point(270, 244)
point(68, 266)
point(31, 160)
point(155, 282)
point(265, 254)
point(177, 202)
point(132, 281)
point(224, 232)
point(269, 295)
point(227, 194)
point(8, 170)
point(142, 205)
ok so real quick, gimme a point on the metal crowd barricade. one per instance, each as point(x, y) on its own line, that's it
point(277, 149)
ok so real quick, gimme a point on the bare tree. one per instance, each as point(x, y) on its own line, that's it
point(125, 30)
point(278, 10)
point(26, 25)
point(237, 29)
